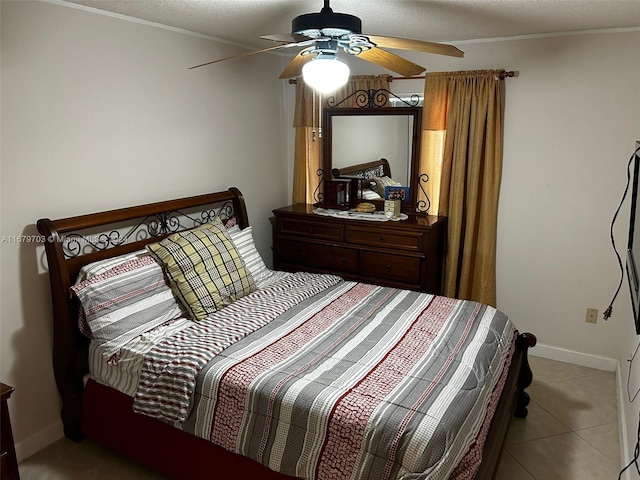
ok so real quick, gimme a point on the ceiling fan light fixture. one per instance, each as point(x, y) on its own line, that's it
point(325, 73)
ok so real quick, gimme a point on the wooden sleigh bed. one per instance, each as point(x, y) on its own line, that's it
point(95, 410)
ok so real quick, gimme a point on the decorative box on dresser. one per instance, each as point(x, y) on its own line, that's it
point(9, 464)
point(405, 253)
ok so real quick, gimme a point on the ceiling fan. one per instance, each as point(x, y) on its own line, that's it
point(321, 35)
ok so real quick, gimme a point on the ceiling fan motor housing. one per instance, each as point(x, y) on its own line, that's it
point(326, 23)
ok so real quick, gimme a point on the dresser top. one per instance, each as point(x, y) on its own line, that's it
point(413, 220)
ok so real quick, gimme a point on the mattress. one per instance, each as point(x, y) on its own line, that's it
point(321, 378)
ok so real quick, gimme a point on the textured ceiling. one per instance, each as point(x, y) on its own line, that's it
point(243, 21)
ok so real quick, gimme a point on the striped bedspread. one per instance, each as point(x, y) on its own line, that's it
point(320, 378)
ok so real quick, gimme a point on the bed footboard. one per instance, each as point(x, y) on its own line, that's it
point(513, 402)
point(524, 342)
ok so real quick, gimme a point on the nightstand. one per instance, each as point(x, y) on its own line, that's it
point(9, 464)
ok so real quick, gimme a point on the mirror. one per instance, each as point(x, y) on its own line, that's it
point(360, 135)
point(391, 140)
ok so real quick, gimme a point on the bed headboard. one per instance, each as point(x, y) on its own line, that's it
point(379, 168)
point(74, 242)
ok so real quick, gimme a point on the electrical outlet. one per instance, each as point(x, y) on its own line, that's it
point(41, 259)
point(592, 315)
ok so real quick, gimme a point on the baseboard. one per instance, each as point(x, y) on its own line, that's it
point(622, 423)
point(40, 440)
point(577, 358)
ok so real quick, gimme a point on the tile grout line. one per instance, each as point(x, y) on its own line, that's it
point(570, 430)
point(595, 446)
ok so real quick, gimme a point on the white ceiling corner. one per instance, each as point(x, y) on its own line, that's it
point(244, 21)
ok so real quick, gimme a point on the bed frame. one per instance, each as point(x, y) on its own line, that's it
point(105, 415)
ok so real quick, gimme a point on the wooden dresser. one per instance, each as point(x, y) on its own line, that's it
point(405, 254)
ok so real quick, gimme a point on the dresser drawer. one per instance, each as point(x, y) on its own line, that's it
point(304, 254)
point(390, 267)
point(344, 260)
point(318, 230)
point(405, 254)
point(384, 238)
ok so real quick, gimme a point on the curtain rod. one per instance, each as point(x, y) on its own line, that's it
point(504, 74)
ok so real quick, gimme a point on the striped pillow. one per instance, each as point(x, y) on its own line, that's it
point(102, 266)
point(125, 301)
point(204, 268)
point(243, 240)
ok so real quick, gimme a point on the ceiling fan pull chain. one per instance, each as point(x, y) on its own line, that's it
point(313, 115)
point(320, 115)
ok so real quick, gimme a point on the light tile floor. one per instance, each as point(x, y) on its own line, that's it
point(571, 433)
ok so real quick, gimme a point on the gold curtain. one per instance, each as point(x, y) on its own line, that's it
point(308, 131)
point(463, 120)
point(308, 143)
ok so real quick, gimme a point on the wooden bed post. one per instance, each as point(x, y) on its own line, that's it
point(66, 341)
point(524, 342)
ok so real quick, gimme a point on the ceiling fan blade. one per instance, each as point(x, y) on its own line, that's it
point(416, 45)
point(286, 37)
point(245, 54)
point(294, 69)
point(391, 61)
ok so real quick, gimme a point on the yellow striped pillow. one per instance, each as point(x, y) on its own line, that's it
point(204, 268)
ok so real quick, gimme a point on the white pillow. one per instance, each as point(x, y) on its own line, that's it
point(368, 194)
point(243, 240)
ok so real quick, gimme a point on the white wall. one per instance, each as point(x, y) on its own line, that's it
point(99, 113)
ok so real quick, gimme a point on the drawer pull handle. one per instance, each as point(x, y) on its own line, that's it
point(382, 240)
point(309, 230)
point(343, 261)
point(303, 254)
point(388, 268)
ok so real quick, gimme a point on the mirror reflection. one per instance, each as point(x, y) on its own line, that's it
point(357, 136)
point(362, 139)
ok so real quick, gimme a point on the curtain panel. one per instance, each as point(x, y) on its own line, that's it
point(463, 124)
point(308, 143)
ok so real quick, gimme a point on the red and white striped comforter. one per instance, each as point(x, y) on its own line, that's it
point(324, 379)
